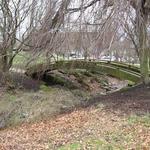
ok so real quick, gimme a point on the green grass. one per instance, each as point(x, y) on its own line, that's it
point(116, 140)
point(10, 97)
point(74, 146)
point(23, 57)
point(113, 140)
point(143, 120)
point(26, 106)
point(91, 144)
point(45, 88)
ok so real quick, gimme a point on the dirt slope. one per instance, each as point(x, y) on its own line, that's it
point(109, 120)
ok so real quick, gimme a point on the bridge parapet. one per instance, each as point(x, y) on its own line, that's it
point(118, 70)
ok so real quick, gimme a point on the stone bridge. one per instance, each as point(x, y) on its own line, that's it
point(119, 70)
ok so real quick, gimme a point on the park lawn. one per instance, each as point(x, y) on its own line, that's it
point(23, 57)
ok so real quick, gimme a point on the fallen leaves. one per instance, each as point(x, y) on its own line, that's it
point(90, 122)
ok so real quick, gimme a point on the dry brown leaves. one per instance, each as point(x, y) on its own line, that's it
point(64, 129)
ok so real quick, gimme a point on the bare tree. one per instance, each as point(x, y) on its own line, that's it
point(13, 31)
point(44, 38)
point(142, 12)
point(138, 31)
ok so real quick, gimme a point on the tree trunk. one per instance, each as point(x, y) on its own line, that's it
point(144, 63)
point(141, 28)
point(4, 62)
point(85, 55)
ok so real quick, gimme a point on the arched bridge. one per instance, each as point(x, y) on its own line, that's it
point(115, 69)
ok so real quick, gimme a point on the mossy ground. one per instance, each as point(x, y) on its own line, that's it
point(28, 106)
